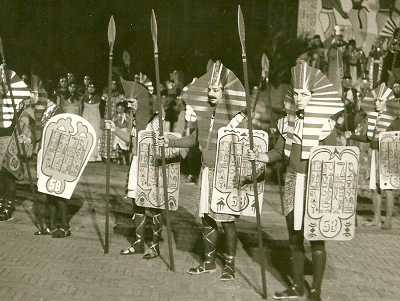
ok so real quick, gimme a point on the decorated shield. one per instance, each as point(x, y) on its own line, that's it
point(149, 190)
point(10, 158)
point(67, 143)
point(233, 191)
point(331, 193)
point(389, 160)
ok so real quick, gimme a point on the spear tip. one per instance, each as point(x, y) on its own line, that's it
point(111, 31)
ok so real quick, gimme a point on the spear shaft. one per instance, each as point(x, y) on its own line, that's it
point(253, 163)
point(161, 131)
point(111, 40)
point(21, 146)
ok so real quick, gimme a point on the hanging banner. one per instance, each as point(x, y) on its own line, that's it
point(68, 141)
point(331, 193)
point(149, 190)
point(389, 160)
point(229, 195)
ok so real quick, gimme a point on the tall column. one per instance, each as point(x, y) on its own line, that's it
point(307, 17)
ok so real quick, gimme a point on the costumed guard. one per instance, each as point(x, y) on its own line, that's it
point(375, 63)
point(354, 62)
point(11, 168)
point(310, 103)
point(215, 97)
point(382, 112)
point(335, 57)
point(139, 101)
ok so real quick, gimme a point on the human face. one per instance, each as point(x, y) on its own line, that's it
point(72, 88)
point(86, 80)
point(63, 82)
point(113, 85)
point(301, 98)
point(120, 109)
point(91, 88)
point(380, 105)
point(214, 95)
point(70, 77)
point(396, 88)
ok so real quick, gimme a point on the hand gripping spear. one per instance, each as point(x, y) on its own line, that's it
point(161, 130)
point(21, 146)
point(253, 164)
point(111, 40)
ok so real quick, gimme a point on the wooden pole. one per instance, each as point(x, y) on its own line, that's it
point(111, 40)
point(161, 130)
point(253, 163)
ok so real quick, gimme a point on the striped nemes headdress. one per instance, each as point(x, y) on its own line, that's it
point(233, 101)
point(377, 125)
point(325, 102)
point(20, 91)
point(216, 74)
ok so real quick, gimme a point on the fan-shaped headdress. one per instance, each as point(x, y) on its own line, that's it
point(324, 103)
point(20, 92)
point(234, 101)
point(377, 125)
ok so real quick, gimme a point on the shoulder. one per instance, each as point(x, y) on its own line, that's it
point(327, 128)
point(282, 125)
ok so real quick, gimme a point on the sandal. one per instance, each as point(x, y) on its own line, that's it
point(130, 251)
point(314, 296)
point(61, 233)
point(201, 269)
point(44, 231)
point(228, 273)
point(151, 253)
point(290, 293)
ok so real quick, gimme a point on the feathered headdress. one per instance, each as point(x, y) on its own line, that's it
point(386, 117)
point(325, 102)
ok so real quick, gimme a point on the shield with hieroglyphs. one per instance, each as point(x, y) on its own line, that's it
point(67, 143)
point(233, 191)
point(149, 190)
point(331, 195)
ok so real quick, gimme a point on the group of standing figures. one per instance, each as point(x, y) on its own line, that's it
point(319, 112)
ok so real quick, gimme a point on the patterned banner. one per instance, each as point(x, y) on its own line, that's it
point(332, 193)
point(149, 191)
point(231, 171)
point(67, 143)
point(389, 160)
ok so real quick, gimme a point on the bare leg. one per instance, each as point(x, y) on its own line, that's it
point(389, 209)
point(377, 202)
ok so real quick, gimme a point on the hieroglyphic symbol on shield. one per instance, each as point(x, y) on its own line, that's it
point(68, 141)
point(229, 194)
point(331, 193)
point(150, 191)
point(389, 160)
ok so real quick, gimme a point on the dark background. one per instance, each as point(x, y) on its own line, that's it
point(52, 38)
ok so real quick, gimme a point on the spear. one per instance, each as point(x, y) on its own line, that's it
point(111, 40)
point(21, 146)
point(127, 60)
point(161, 130)
point(253, 163)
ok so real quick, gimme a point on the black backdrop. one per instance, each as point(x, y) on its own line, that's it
point(52, 37)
